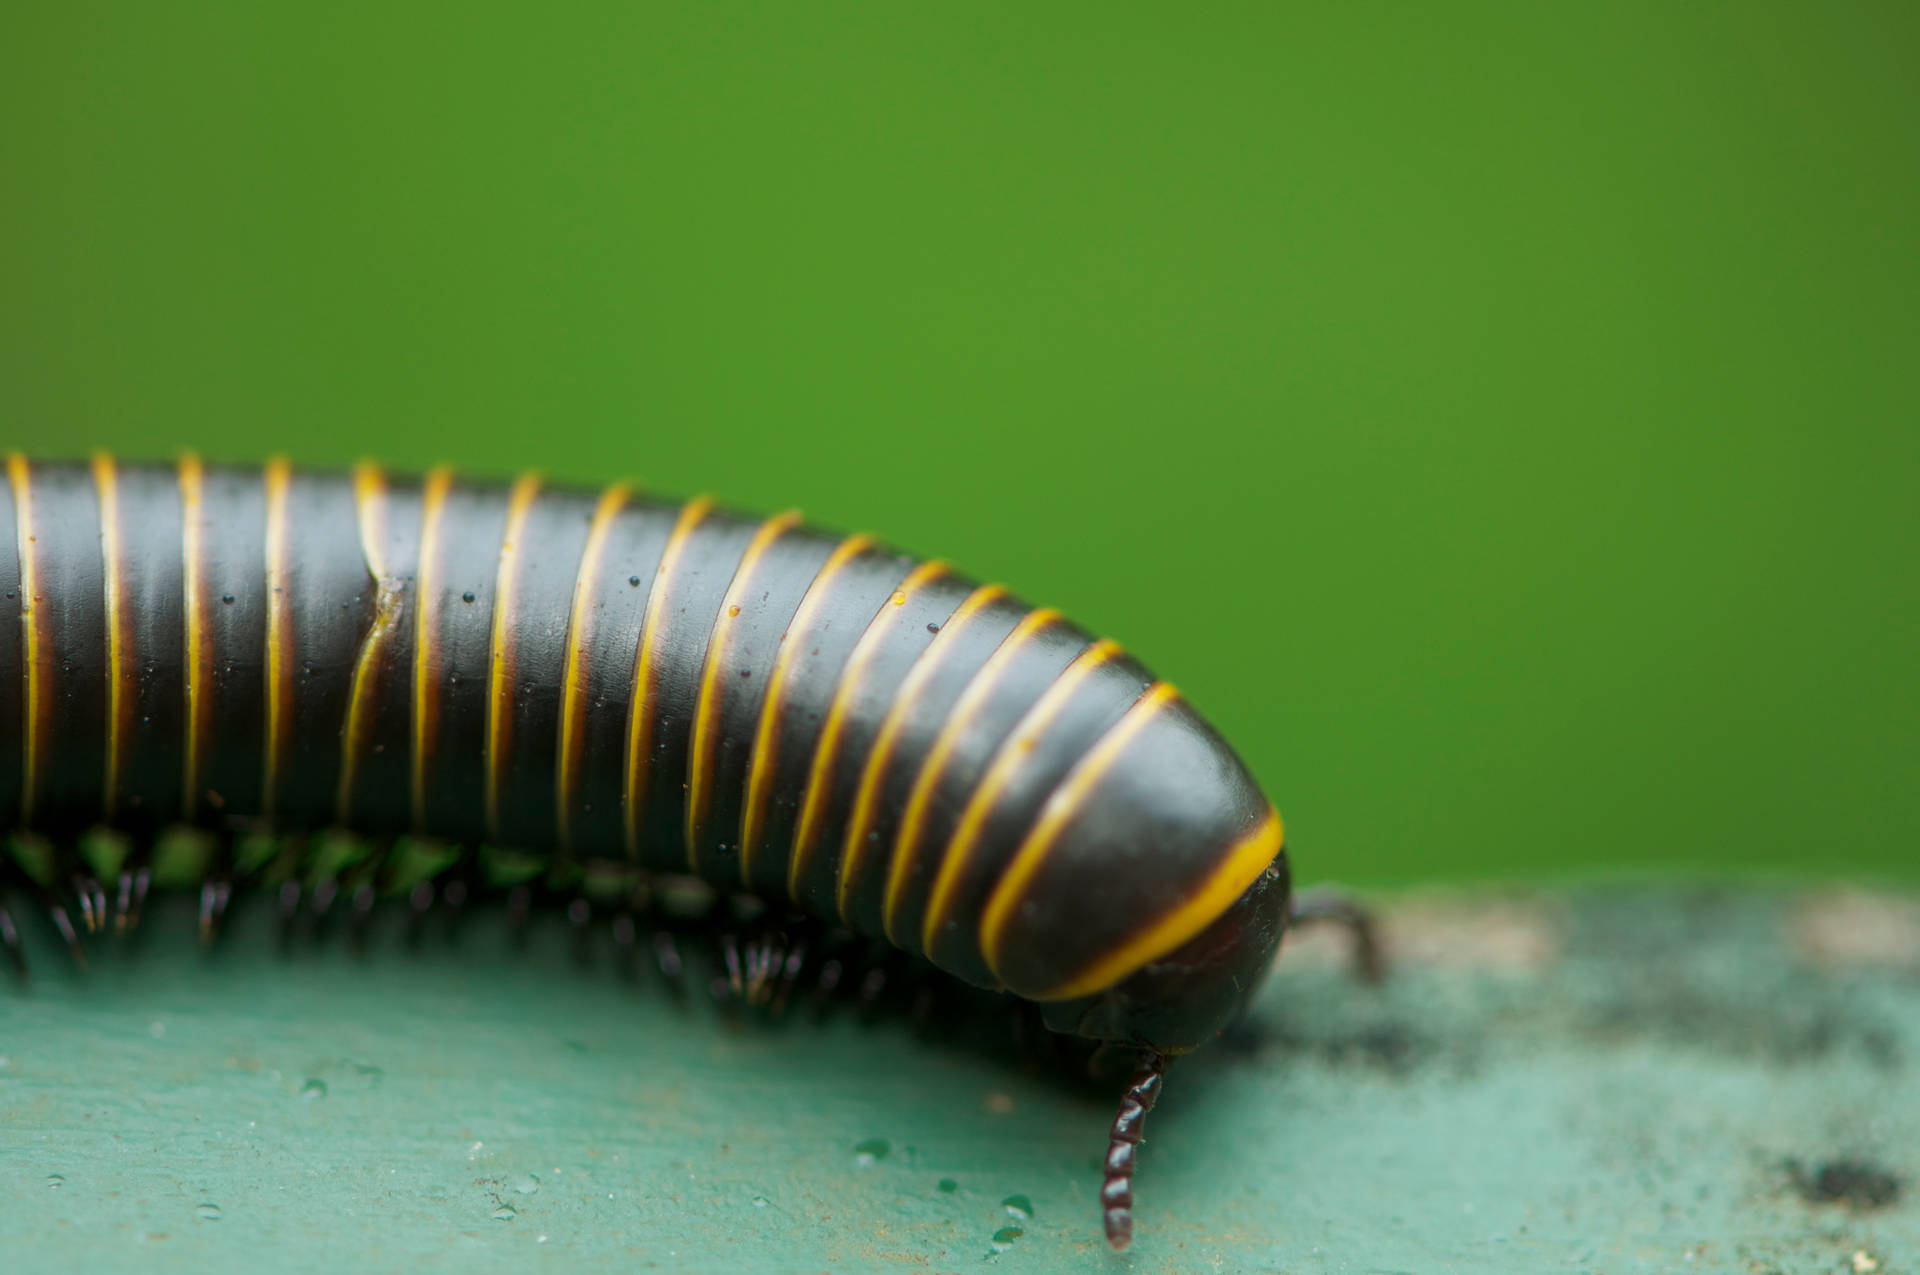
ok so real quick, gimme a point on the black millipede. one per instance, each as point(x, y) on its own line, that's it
point(659, 688)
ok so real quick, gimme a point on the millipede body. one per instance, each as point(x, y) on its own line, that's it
point(599, 676)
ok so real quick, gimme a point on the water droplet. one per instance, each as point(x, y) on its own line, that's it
point(948, 1186)
point(207, 1212)
point(467, 596)
point(733, 611)
point(633, 581)
point(1004, 1237)
point(313, 1090)
point(761, 1201)
point(1018, 1207)
point(505, 1213)
point(526, 1184)
point(55, 1181)
point(871, 1152)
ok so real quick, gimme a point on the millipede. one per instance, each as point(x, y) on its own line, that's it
point(616, 687)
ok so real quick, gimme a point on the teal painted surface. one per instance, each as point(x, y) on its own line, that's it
point(1613, 1083)
point(1500, 416)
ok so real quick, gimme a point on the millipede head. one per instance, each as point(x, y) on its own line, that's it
point(1184, 999)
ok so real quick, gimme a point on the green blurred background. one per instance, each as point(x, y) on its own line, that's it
point(1501, 418)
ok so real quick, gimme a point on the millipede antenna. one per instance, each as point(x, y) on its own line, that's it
point(1116, 1195)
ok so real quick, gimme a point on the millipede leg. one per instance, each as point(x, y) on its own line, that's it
point(1116, 1194)
point(873, 986)
point(580, 917)
point(360, 914)
point(324, 892)
point(730, 986)
point(216, 892)
point(789, 977)
point(10, 939)
point(419, 904)
point(1329, 904)
point(666, 956)
point(362, 890)
point(72, 880)
point(136, 879)
point(56, 910)
point(88, 894)
point(625, 929)
point(1032, 1041)
point(461, 883)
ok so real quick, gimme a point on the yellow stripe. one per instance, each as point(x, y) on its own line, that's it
point(193, 609)
point(573, 688)
point(1239, 869)
point(426, 631)
point(1236, 872)
point(21, 477)
point(1061, 807)
point(1000, 772)
point(500, 646)
point(813, 806)
point(370, 499)
point(279, 632)
point(972, 700)
point(766, 740)
point(106, 482)
point(867, 795)
point(707, 706)
point(640, 702)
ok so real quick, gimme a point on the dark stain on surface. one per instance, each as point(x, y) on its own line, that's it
point(1858, 1184)
point(1389, 1045)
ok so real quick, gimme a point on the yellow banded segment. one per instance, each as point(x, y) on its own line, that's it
point(1000, 772)
point(640, 701)
point(370, 500)
point(766, 739)
point(426, 634)
point(193, 551)
point(106, 482)
point(566, 780)
point(1239, 869)
point(968, 707)
point(707, 706)
point(279, 650)
point(20, 476)
point(500, 649)
point(1059, 810)
point(813, 804)
point(867, 795)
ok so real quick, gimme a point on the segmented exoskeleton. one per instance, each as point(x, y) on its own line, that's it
point(601, 676)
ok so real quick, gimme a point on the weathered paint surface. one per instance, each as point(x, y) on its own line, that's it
point(1610, 1082)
